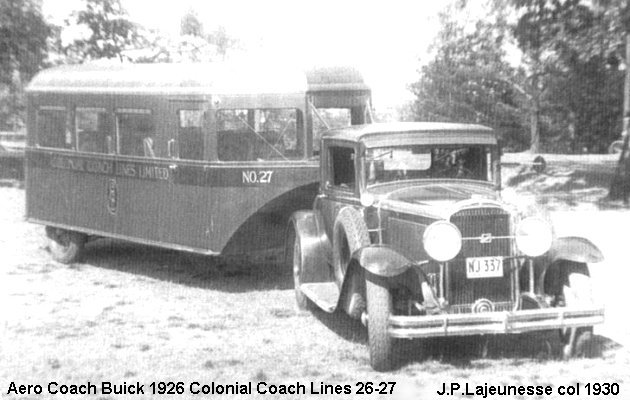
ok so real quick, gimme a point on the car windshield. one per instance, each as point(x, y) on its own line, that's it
point(395, 163)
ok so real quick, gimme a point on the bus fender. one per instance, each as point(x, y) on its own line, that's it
point(382, 260)
point(576, 249)
point(315, 248)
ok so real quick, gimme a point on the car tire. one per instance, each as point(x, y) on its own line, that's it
point(349, 235)
point(65, 246)
point(293, 260)
point(577, 290)
point(379, 308)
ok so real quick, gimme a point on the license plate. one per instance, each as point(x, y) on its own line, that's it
point(484, 267)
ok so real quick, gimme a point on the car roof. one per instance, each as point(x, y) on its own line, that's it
point(378, 134)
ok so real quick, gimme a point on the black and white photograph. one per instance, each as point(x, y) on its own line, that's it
point(314, 200)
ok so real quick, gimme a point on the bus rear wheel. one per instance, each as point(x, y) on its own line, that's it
point(65, 246)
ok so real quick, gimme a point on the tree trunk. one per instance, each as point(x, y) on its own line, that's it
point(620, 184)
point(534, 144)
point(534, 127)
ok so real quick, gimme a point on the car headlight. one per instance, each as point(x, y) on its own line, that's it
point(442, 241)
point(533, 236)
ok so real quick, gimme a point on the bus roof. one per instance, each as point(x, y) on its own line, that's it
point(194, 78)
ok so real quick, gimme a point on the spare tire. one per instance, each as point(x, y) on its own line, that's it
point(349, 235)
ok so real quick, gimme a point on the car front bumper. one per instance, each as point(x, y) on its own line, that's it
point(493, 322)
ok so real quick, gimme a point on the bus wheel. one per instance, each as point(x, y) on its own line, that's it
point(65, 246)
point(379, 308)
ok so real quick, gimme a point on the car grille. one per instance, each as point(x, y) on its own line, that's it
point(473, 224)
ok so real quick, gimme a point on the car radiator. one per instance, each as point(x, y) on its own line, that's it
point(485, 233)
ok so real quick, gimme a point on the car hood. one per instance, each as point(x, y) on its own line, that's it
point(437, 199)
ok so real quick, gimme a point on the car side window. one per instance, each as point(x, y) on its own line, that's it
point(342, 167)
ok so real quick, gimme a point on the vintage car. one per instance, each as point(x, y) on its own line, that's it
point(410, 234)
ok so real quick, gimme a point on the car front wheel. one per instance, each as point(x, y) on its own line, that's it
point(379, 308)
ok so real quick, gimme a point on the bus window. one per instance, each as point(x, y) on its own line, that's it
point(93, 131)
point(136, 133)
point(53, 128)
point(191, 134)
point(259, 134)
point(328, 118)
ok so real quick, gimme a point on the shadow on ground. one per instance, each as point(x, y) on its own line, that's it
point(243, 273)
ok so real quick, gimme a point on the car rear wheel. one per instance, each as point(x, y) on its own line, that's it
point(379, 308)
point(65, 246)
point(293, 260)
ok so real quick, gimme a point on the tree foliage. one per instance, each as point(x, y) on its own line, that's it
point(468, 80)
point(192, 45)
point(24, 40)
point(566, 94)
point(109, 32)
point(571, 57)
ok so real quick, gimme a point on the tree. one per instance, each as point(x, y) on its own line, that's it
point(469, 80)
point(571, 71)
point(24, 36)
point(192, 44)
point(566, 92)
point(190, 24)
point(109, 32)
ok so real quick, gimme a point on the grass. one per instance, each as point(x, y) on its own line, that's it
point(136, 313)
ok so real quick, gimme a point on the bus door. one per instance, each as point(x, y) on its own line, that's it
point(142, 174)
point(188, 221)
point(93, 204)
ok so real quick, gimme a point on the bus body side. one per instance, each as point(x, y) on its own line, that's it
point(225, 172)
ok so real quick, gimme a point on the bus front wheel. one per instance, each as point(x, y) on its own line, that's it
point(65, 246)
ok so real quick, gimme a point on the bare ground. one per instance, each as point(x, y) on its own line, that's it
point(134, 313)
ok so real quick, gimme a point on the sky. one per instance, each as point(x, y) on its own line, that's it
point(386, 40)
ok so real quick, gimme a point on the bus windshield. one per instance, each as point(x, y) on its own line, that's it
point(396, 163)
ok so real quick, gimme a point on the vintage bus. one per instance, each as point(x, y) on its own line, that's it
point(207, 158)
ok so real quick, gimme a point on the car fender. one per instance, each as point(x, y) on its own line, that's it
point(576, 249)
point(382, 260)
point(385, 262)
point(315, 246)
point(570, 248)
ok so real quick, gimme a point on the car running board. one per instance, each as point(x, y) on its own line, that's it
point(324, 294)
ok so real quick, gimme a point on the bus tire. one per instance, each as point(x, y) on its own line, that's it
point(379, 308)
point(65, 246)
